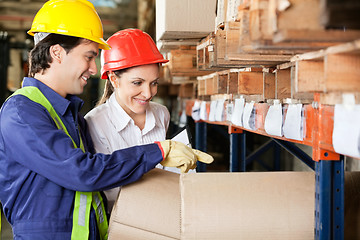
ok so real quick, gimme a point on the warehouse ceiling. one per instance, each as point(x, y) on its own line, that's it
point(16, 15)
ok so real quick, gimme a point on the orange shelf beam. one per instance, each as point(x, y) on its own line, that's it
point(318, 127)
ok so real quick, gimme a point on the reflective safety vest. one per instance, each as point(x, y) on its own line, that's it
point(83, 200)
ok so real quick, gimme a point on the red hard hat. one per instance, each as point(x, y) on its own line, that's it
point(129, 48)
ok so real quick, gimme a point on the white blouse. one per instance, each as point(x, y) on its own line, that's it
point(111, 129)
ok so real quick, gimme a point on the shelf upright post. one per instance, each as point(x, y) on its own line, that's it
point(200, 142)
point(236, 157)
point(329, 198)
point(329, 182)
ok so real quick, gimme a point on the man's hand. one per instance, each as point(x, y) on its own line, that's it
point(177, 154)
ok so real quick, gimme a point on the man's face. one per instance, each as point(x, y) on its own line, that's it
point(77, 67)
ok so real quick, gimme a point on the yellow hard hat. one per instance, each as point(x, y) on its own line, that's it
point(77, 18)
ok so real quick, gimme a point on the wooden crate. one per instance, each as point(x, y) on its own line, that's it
point(182, 62)
point(334, 69)
point(201, 86)
point(218, 53)
point(187, 90)
point(206, 85)
point(285, 87)
point(271, 27)
point(268, 83)
point(299, 21)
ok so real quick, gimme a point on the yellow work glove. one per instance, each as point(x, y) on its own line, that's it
point(177, 154)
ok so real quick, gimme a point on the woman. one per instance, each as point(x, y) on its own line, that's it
point(125, 115)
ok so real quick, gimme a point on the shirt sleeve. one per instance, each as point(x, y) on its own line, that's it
point(166, 118)
point(100, 142)
point(31, 138)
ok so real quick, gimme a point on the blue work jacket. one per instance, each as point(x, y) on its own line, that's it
point(40, 170)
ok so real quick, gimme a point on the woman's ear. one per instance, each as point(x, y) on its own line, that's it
point(113, 79)
point(55, 52)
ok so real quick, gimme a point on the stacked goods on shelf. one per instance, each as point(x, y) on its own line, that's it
point(187, 90)
point(179, 27)
point(182, 70)
point(182, 62)
point(340, 14)
point(249, 81)
point(293, 24)
point(315, 79)
point(267, 33)
point(274, 34)
point(183, 23)
point(188, 19)
point(216, 52)
point(330, 72)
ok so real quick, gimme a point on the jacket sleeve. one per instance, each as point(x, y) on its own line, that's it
point(31, 138)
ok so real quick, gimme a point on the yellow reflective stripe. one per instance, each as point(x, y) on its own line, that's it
point(82, 210)
point(81, 215)
point(35, 95)
point(83, 200)
point(100, 215)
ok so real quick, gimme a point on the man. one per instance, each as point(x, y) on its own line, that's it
point(49, 176)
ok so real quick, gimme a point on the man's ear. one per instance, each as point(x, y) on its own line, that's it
point(56, 52)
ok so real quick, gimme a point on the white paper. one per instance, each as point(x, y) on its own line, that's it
point(249, 116)
point(274, 120)
point(212, 113)
point(219, 114)
point(346, 131)
point(183, 119)
point(232, 10)
point(236, 117)
point(203, 114)
point(293, 124)
point(184, 138)
point(195, 111)
point(229, 111)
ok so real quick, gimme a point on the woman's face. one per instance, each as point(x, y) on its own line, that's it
point(136, 87)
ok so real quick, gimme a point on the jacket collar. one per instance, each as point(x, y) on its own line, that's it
point(60, 104)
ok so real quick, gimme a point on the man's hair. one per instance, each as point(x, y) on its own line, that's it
point(39, 56)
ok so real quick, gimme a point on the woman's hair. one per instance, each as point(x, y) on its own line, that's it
point(39, 56)
point(109, 88)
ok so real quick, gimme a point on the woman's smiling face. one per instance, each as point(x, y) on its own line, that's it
point(135, 88)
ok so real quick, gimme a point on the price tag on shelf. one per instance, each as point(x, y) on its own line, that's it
point(274, 120)
point(293, 123)
point(238, 111)
point(249, 116)
point(346, 133)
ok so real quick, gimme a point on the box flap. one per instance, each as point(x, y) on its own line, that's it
point(150, 205)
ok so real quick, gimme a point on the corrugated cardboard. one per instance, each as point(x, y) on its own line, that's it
point(352, 206)
point(182, 19)
point(266, 205)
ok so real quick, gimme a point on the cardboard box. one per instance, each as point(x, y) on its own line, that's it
point(183, 19)
point(253, 205)
point(352, 206)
